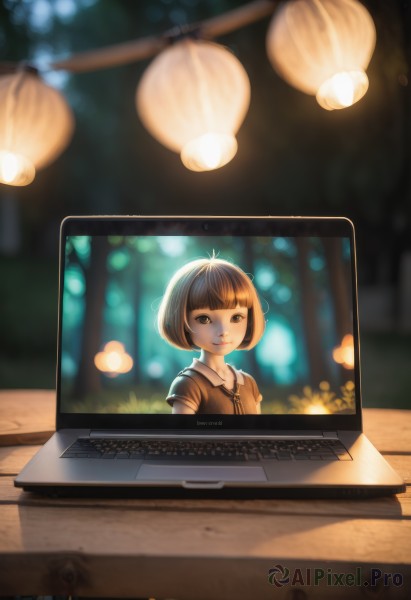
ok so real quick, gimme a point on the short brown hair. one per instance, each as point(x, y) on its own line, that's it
point(210, 283)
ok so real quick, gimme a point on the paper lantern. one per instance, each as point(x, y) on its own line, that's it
point(323, 47)
point(193, 98)
point(36, 125)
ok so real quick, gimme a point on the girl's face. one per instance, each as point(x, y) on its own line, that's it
point(218, 331)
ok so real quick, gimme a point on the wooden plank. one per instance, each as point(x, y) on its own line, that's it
point(194, 549)
point(389, 430)
point(191, 578)
point(401, 464)
point(26, 416)
point(110, 532)
point(78, 544)
point(14, 458)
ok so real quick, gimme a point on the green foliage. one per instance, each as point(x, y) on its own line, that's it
point(139, 400)
point(324, 400)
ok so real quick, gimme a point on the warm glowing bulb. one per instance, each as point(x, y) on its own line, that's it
point(209, 151)
point(323, 47)
point(193, 98)
point(35, 126)
point(342, 90)
point(15, 169)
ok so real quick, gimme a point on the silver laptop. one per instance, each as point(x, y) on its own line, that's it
point(208, 356)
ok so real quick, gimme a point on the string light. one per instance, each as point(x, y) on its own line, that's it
point(193, 98)
point(195, 94)
point(322, 47)
point(36, 125)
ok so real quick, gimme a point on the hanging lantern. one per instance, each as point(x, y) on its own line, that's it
point(193, 98)
point(35, 126)
point(322, 47)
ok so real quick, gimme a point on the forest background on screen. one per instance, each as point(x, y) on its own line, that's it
point(114, 361)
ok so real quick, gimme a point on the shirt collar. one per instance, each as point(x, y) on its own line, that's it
point(213, 377)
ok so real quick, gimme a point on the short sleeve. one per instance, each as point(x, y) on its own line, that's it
point(185, 390)
point(254, 387)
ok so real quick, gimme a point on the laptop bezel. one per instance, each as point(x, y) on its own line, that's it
point(210, 225)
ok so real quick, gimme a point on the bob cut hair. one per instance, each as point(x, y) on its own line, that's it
point(213, 284)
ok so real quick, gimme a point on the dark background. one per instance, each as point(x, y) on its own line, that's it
point(293, 158)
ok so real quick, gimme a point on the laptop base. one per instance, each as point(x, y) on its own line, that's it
point(229, 492)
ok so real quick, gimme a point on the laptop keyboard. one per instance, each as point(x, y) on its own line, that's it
point(227, 450)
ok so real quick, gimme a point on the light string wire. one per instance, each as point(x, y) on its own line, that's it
point(146, 47)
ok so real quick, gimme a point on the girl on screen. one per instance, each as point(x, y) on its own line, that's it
point(211, 305)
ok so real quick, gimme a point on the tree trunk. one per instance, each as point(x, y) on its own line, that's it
point(309, 305)
point(88, 377)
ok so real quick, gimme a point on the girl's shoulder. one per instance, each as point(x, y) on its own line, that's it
point(249, 380)
point(242, 375)
point(187, 381)
point(250, 384)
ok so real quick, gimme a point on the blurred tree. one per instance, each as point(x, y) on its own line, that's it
point(88, 377)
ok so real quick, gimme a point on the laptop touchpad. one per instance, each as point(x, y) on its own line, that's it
point(149, 472)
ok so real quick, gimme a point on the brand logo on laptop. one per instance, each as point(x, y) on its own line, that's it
point(209, 423)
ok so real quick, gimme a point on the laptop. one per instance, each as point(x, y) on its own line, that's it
point(208, 356)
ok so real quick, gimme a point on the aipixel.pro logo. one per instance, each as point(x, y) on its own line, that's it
point(280, 576)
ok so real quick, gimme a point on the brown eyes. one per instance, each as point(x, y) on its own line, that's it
point(237, 318)
point(205, 319)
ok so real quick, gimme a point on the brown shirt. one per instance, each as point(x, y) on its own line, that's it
point(202, 389)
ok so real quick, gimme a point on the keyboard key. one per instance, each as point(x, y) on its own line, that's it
point(252, 456)
point(227, 450)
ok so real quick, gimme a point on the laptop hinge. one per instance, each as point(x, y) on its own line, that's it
point(330, 435)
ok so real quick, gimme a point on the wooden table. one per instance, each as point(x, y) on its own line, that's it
point(197, 549)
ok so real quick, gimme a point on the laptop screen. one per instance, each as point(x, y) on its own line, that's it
point(240, 317)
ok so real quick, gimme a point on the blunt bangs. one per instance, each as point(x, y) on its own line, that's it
point(208, 283)
point(217, 287)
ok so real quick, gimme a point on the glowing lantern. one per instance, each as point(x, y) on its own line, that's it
point(35, 126)
point(344, 354)
point(113, 360)
point(193, 98)
point(322, 47)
